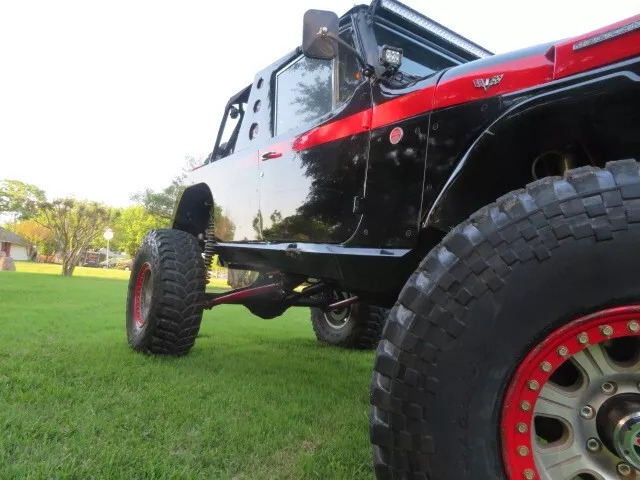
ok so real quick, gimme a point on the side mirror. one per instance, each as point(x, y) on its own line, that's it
point(318, 28)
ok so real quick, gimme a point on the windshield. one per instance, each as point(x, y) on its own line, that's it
point(418, 59)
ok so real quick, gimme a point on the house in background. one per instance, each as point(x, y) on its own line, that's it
point(14, 245)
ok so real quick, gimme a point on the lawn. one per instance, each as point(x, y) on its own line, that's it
point(255, 399)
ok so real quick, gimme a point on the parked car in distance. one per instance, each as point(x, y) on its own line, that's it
point(124, 264)
point(118, 263)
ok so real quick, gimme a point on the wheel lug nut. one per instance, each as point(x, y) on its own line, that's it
point(608, 388)
point(606, 330)
point(593, 445)
point(633, 327)
point(529, 474)
point(563, 351)
point(587, 412)
point(583, 338)
point(624, 469)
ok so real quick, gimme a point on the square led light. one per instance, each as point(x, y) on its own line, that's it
point(391, 56)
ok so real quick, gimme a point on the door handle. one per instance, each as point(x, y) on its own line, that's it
point(270, 155)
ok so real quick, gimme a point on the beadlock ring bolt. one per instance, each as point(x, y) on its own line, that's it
point(624, 469)
point(593, 445)
point(529, 474)
point(608, 388)
point(587, 412)
point(633, 326)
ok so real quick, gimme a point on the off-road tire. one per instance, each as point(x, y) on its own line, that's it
point(492, 289)
point(362, 330)
point(176, 276)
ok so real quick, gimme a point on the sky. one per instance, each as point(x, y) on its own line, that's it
point(99, 100)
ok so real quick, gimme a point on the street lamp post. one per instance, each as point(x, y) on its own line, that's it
point(108, 235)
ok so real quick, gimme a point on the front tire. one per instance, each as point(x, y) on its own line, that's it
point(164, 303)
point(358, 326)
point(540, 264)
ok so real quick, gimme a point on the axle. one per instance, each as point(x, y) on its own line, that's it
point(274, 295)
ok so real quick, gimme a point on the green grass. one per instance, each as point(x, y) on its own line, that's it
point(52, 269)
point(255, 399)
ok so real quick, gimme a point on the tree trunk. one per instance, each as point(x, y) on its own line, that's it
point(67, 266)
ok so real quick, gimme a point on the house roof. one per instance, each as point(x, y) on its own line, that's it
point(7, 236)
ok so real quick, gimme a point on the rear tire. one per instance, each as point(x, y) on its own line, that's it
point(358, 326)
point(486, 297)
point(166, 286)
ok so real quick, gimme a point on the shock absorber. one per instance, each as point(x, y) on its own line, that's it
point(209, 246)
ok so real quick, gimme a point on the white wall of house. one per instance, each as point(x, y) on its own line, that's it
point(19, 252)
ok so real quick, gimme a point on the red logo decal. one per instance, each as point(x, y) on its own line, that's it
point(396, 135)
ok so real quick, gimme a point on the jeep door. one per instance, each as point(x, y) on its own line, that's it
point(231, 174)
point(316, 163)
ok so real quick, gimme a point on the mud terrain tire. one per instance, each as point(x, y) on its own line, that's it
point(361, 329)
point(164, 303)
point(494, 288)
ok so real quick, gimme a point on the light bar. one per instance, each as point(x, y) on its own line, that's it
point(433, 27)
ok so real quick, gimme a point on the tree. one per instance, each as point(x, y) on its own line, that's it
point(74, 224)
point(132, 225)
point(19, 199)
point(39, 235)
point(161, 203)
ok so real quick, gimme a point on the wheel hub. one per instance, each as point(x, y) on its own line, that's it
point(618, 424)
point(338, 318)
point(572, 409)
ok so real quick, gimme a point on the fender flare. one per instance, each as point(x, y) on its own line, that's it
point(193, 209)
point(439, 216)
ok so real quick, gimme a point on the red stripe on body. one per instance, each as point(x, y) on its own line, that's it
point(570, 61)
point(516, 75)
point(345, 127)
point(406, 106)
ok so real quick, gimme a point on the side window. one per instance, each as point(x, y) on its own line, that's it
point(349, 72)
point(309, 88)
point(304, 92)
point(231, 124)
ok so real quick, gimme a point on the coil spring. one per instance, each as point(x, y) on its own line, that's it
point(209, 247)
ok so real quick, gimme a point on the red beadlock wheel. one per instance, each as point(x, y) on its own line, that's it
point(165, 295)
point(572, 409)
point(142, 295)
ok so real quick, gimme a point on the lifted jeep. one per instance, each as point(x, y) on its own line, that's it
point(347, 175)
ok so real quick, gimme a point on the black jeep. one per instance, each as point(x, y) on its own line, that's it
point(360, 172)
